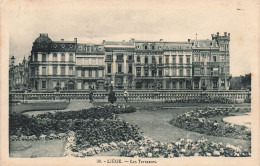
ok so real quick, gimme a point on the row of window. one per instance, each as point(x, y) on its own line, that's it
point(54, 57)
point(120, 68)
point(214, 71)
point(90, 73)
point(55, 70)
point(166, 72)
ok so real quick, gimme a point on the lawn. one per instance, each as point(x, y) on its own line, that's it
point(32, 149)
point(38, 106)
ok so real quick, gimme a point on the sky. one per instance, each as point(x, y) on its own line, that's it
point(95, 21)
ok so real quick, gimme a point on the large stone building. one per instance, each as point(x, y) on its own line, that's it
point(133, 64)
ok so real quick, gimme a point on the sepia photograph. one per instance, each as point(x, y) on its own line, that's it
point(130, 83)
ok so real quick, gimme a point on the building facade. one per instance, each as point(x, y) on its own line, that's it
point(18, 75)
point(134, 64)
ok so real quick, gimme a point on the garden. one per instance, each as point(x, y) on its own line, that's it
point(115, 127)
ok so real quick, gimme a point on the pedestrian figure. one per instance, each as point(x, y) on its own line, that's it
point(126, 96)
point(112, 96)
point(90, 96)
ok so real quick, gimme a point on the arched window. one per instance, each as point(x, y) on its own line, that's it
point(55, 57)
point(71, 57)
point(145, 47)
point(63, 57)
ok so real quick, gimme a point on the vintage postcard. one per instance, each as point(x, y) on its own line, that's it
point(130, 82)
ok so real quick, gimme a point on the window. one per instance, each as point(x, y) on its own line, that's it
point(222, 58)
point(109, 57)
point(154, 72)
point(160, 72)
point(83, 73)
point(130, 57)
point(196, 84)
point(71, 58)
point(152, 47)
point(188, 60)
point(174, 60)
point(90, 73)
point(181, 84)
point(119, 57)
point(63, 70)
point(43, 84)
point(222, 82)
point(208, 71)
point(214, 59)
point(70, 70)
point(54, 70)
point(173, 85)
point(181, 72)
point(168, 84)
point(145, 47)
point(43, 70)
point(196, 58)
point(167, 60)
point(222, 70)
point(63, 57)
point(160, 60)
point(138, 71)
point(146, 60)
point(181, 60)
point(138, 59)
point(119, 69)
point(108, 68)
point(54, 57)
point(166, 72)
point(36, 57)
point(130, 69)
point(202, 71)
point(188, 72)
point(153, 60)
point(146, 72)
point(97, 73)
point(44, 57)
point(173, 72)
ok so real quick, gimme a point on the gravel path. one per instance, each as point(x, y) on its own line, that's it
point(73, 106)
point(243, 120)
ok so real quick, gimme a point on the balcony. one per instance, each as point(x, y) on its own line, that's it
point(108, 60)
point(120, 73)
point(198, 63)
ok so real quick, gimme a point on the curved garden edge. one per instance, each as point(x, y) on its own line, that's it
point(209, 121)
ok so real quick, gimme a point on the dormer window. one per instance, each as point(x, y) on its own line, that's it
point(152, 47)
point(145, 47)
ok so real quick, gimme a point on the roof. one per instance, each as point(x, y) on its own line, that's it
point(43, 38)
point(205, 44)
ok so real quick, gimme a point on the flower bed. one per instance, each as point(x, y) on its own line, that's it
point(148, 148)
point(61, 122)
point(202, 99)
point(201, 121)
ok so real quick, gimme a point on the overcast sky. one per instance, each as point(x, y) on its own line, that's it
point(142, 20)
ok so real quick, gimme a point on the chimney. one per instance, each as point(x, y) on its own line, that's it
point(43, 34)
point(75, 40)
point(62, 39)
point(189, 40)
point(161, 40)
point(225, 33)
point(217, 33)
point(104, 41)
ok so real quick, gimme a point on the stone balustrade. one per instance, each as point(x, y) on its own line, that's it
point(134, 95)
